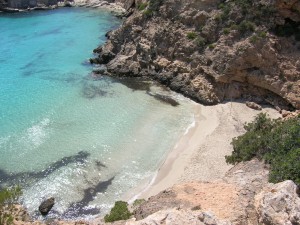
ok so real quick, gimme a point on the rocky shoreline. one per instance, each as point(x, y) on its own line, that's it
point(118, 8)
point(210, 53)
point(187, 46)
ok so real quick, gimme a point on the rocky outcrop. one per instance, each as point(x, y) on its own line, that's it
point(243, 197)
point(230, 199)
point(210, 53)
point(182, 217)
point(12, 5)
point(279, 204)
point(46, 206)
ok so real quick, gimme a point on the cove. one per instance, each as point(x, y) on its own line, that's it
point(65, 133)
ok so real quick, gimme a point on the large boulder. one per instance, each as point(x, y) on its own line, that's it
point(46, 206)
point(279, 204)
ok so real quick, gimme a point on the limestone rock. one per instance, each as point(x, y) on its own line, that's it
point(212, 67)
point(279, 204)
point(180, 217)
point(253, 105)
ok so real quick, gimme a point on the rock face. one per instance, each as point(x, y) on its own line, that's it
point(46, 206)
point(24, 4)
point(180, 217)
point(210, 54)
point(279, 204)
point(230, 199)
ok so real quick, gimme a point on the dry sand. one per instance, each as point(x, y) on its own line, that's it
point(199, 155)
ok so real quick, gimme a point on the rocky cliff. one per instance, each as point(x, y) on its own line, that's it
point(24, 4)
point(211, 50)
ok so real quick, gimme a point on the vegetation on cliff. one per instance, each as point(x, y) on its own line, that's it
point(118, 212)
point(277, 142)
point(7, 197)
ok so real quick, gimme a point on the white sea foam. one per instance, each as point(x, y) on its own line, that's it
point(36, 134)
point(193, 124)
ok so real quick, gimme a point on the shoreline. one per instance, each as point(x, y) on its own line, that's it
point(199, 154)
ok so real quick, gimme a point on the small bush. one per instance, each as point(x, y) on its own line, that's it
point(254, 38)
point(234, 27)
point(274, 141)
point(191, 35)
point(262, 34)
point(218, 18)
point(225, 12)
point(211, 46)
point(118, 212)
point(9, 195)
point(246, 26)
point(148, 12)
point(154, 5)
point(201, 41)
point(142, 6)
point(226, 31)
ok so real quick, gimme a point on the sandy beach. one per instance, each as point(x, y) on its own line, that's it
point(199, 155)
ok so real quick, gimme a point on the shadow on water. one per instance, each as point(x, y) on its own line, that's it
point(81, 207)
point(22, 178)
point(164, 99)
point(91, 91)
point(50, 32)
point(93, 86)
point(70, 78)
point(34, 72)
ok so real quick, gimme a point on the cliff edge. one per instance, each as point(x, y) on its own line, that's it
point(211, 50)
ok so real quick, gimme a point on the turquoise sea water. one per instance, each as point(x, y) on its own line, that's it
point(65, 133)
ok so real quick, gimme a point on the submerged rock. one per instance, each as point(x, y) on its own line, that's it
point(46, 206)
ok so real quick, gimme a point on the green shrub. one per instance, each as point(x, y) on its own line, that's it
point(7, 197)
point(253, 38)
point(191, 35)
point(262, 34)
point(218, 18)
point(118, 212)
point(276, 142)
point(234, 27)
point(142, 6)
point(286, 167)
point(245, 26)
point(225, 13)
point(211, 46)
point(155, 4)
point(226, 31)
point(148, 12)
point(201, 41)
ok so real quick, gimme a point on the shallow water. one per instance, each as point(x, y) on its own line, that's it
point(65, 133)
